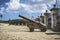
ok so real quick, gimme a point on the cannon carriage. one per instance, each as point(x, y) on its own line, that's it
point(34, 25)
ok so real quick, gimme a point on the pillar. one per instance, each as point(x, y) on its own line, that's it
point(46, 15)
point(42, 18)
point(54, 13)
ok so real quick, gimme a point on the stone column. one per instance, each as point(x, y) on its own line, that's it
point(54, 13)
point(53, 20)
point(46, 15)
point(42, 18)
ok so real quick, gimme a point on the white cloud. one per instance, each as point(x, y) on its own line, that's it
point(36, 0)
point(40, 6)
point(30, 8)
point(2, 10)
point(14, 5)
point(34, 8)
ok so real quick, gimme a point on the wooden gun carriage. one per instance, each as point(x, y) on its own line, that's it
point(34, 25)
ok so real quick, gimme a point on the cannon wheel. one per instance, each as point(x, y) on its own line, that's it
point(31, 29)
point(43, 29)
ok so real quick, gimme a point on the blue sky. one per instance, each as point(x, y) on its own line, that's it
point(10, 9)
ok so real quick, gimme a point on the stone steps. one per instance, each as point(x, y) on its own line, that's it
point(50, 32)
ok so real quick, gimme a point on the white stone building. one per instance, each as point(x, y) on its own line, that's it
point(52, 20)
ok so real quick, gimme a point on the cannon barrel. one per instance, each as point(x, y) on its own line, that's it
point(27, 19)
point(31, 20)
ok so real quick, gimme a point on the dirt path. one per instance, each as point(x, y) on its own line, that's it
point(11, 32)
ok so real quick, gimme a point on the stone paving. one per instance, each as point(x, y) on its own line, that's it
point(11, 32)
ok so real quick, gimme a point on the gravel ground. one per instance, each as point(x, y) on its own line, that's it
point(13, 32)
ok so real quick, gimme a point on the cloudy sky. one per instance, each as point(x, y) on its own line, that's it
point(10, 9)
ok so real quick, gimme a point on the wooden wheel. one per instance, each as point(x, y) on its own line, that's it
point(43, 29)
point(31, 29)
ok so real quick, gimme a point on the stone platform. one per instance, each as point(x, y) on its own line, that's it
point(50, 32)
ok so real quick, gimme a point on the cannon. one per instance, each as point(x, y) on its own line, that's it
point(34, 25)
